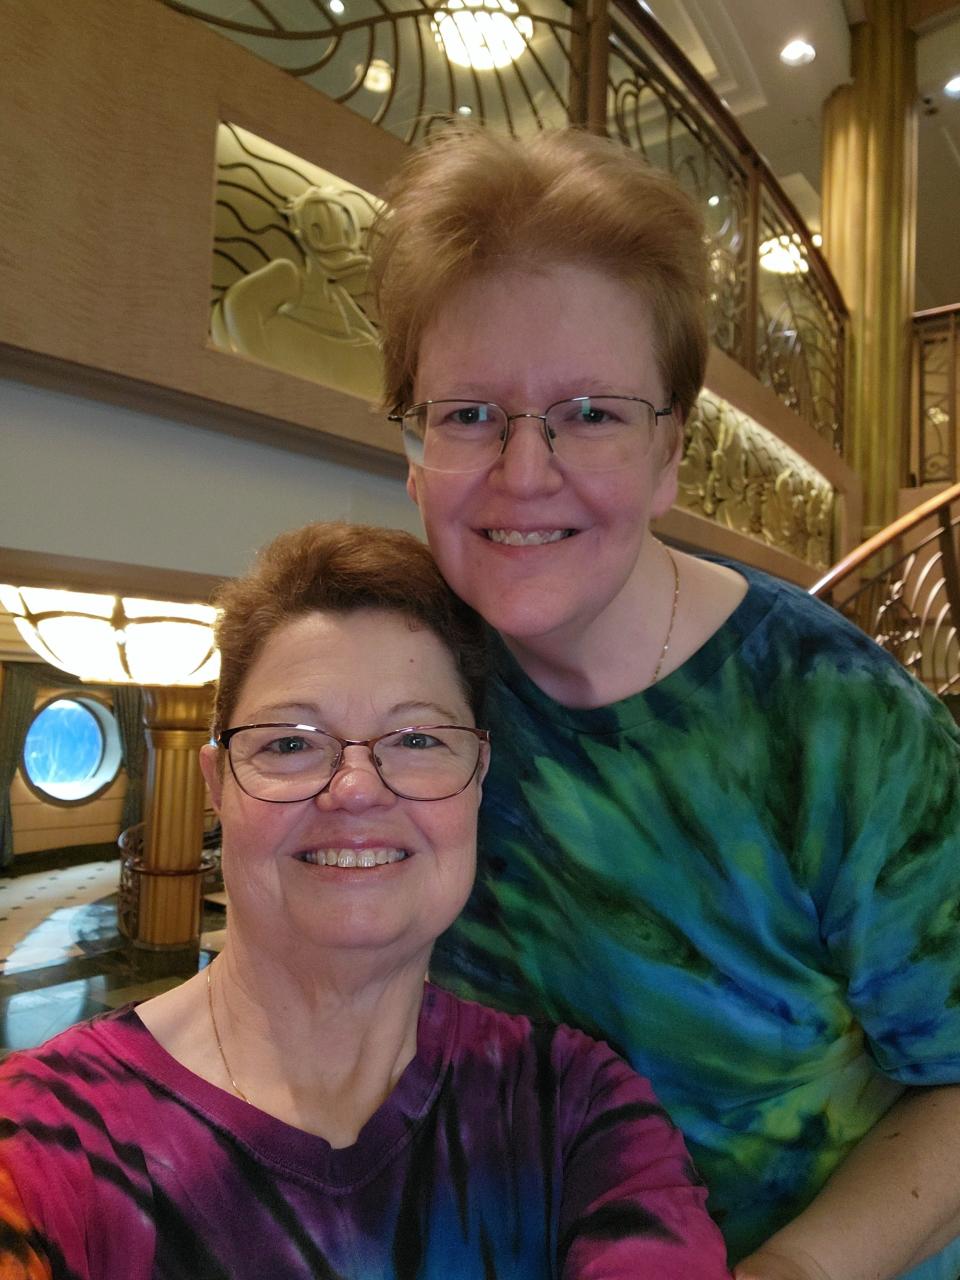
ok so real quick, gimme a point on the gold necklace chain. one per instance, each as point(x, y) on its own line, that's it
point(673, 614)
point(216, 1035)
point(656, 675)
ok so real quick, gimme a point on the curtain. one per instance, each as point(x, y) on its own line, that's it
point(128, 713)
point(16, 712)
point(19, 694)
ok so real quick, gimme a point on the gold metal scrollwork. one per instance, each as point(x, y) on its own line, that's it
point(741, 476)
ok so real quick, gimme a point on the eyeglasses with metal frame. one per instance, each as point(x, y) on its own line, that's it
point(283, 763)
point(588, 433)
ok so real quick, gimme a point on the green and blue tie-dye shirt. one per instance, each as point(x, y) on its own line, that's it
point(746, 879)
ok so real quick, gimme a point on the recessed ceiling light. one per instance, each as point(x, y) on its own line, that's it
point(797, 53)
point(464, 111)
point(952, 87)
point(337, 6)
point(713, 201)
point(817, 239)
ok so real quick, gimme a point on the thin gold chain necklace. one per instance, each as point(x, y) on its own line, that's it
point(216, 1035)
point(673, 617)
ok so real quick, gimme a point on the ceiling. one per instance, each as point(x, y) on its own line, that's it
point(735, 44)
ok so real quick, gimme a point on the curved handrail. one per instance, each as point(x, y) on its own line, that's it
point(911, 604)
point(936, 313)
point(860, 555)
point(608, 65)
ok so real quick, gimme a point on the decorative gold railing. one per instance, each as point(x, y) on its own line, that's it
point(935, 440)
point(908, 600)
point(409, 67)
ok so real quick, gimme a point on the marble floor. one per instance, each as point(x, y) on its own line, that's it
point(62, 958)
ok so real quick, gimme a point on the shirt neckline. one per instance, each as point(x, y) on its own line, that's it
point(279, 1144)
point(667, 695)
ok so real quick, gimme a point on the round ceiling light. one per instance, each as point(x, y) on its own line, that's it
point(481, 34)
point(797, 53)
point(116, 640)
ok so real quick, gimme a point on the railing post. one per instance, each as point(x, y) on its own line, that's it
point(751, 255)
point(948, 561)
point(953, 398)
point(915, 466)
point(598, 63)
point(579, 63)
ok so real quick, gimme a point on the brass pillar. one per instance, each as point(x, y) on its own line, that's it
point(177, 725)
point(869, 227)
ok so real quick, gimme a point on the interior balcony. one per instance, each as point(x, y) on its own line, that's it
point(177, 236)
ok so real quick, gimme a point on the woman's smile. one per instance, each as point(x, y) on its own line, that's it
point(365, 859)
point(543, 550)
point(361, 675)
point(527, 538)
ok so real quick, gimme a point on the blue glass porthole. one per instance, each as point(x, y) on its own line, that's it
point(72, 750)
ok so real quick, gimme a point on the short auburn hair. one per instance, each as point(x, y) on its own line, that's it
point(473, 202)
point(340, 568)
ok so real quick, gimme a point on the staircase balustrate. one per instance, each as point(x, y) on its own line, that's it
point(935, 442)
point(902, 587)
point(407, 66)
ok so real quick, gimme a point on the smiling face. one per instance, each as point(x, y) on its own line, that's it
point(356, 675)
point(544, 553)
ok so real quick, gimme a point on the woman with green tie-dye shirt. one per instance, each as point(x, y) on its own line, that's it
point(721, 830)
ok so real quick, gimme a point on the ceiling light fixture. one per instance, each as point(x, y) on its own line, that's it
point(337, 6)
point(713, 201)
point(784, 256)
point(952, 87)
point(817, 239)
point(797, 53)
point(481, 34)
point(379, 76)
point(116, 640)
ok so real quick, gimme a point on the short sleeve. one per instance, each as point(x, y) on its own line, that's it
point(633, 1205)
point(891, 920)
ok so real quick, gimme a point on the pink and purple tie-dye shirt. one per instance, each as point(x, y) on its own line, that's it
point(507, 1149)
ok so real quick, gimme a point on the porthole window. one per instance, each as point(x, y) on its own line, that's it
point(72, 750)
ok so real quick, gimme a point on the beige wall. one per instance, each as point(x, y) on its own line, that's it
point(38, 826)
point(83, 478)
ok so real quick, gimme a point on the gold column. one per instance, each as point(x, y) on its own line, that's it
point(177, 726)
point(869, 223)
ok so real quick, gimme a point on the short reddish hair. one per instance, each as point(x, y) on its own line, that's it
point(474, 201)
point(339, 568)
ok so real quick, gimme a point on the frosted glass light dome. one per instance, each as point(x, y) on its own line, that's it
point(116, 639)
point(481, 34)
